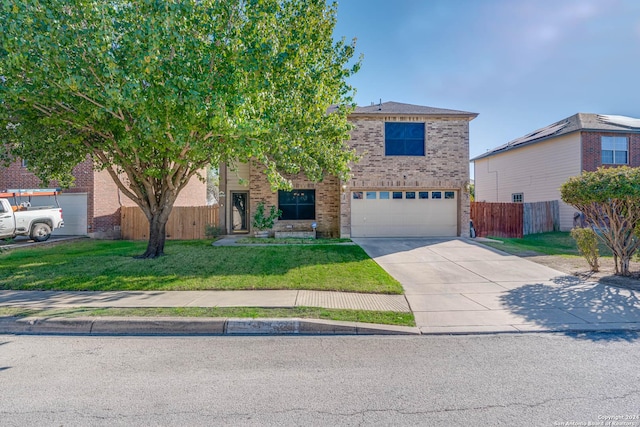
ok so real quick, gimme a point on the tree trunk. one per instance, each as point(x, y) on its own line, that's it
point(624, 265)
point(157, 236)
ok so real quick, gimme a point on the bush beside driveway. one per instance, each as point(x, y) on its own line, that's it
point(558, 251)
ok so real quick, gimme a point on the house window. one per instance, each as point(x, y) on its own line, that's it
point(615, 150)
point(423, 195)
point(371, 195)
point(397, 194)
point(517, 197)
point(297, 204)
point(449, 195)
point(357, 195)
point(403, 139)
point(411, 194)
point(384, 195)
point(436, 194)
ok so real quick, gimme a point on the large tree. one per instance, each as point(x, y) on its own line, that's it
point(154, 91)
point(609, 199)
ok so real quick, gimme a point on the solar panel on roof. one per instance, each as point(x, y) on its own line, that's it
point(540, 133)
point(620, 121)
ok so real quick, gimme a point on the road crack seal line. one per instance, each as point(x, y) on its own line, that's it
point(481, 408)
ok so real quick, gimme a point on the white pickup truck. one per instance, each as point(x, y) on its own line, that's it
point(21, 219)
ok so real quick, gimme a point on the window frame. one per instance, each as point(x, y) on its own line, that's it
point(412, 146)
point(614, 149)
point(298, 205)
point(517, 197)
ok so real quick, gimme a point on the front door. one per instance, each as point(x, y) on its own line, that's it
point(239, 212)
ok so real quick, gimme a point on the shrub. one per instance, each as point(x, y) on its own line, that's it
point(587, 243)
point(609, 199)
point(263, 221)
point(212, 231)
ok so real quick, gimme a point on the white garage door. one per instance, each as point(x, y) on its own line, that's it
point(432, 213)
point(74, 212)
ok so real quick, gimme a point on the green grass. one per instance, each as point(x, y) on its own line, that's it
point(100, 265)
point(379, 317)
point(555, 243)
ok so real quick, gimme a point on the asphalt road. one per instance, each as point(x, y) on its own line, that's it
point(528, 380)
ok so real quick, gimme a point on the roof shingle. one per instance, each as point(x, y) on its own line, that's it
point(394, 108)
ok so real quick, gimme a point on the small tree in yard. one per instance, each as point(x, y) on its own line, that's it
point(155, 91)
point(609, 199)
point(587, 242)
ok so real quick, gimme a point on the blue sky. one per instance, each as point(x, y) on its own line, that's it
point(520, 64)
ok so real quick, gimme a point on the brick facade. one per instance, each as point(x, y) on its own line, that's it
point(327, 202)
point(445, 165)
point(592, 149)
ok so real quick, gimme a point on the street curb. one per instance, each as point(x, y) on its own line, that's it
point(192, 326)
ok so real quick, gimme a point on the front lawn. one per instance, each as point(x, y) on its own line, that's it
point(554, 243)
point(100, 265)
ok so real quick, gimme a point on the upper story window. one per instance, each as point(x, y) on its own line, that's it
point(615, 150)
point(403, 139)
point(297, 204)
point(517, 197)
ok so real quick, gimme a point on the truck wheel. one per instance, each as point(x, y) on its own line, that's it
point(40, 232)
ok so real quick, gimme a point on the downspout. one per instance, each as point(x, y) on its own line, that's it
point(497, 181)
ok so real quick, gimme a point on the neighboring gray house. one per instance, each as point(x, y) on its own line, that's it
point(533, 167)
point(412, 180)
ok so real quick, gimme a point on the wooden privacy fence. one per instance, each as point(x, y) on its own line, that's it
point(185, 223)
point(514, 219)
point(540, 217)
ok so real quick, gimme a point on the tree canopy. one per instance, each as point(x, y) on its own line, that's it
point(155, 91)
point(609, 198)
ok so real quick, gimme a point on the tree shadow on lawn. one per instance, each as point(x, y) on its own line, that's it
point(595, 306)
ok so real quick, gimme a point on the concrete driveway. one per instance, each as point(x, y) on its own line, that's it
point(459, 286)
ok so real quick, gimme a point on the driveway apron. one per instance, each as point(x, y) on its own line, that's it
point(459, 286)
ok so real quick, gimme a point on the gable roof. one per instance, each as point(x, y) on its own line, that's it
point(577, 122)
point(398, 108)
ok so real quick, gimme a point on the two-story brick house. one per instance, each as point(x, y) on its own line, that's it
point(533, 167)
point(92, 205)
point(411, 181)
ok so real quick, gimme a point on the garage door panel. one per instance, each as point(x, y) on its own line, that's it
point(404, 217)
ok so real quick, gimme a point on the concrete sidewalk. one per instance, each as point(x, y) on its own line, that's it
point(459, 286)
point(265, 299)
point(198, 326)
